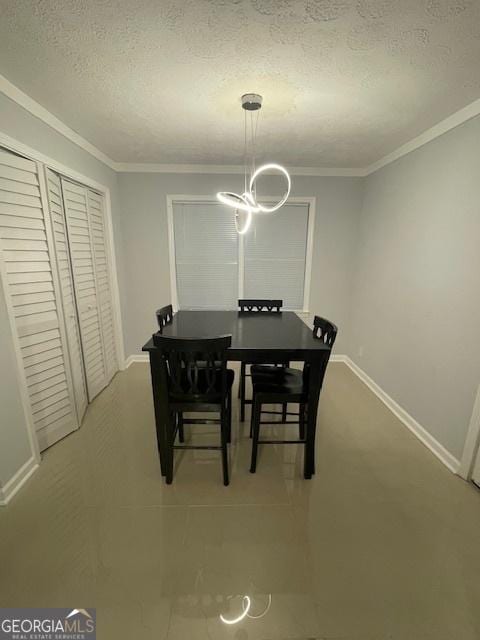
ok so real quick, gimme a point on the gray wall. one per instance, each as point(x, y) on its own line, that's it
point(145, 251)
point(416, 302)
point(18, 123)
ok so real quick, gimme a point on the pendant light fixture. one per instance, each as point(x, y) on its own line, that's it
point(246, 204)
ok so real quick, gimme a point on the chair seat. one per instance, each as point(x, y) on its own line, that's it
point(266, 369)
point(202, 387)
point(282, 381)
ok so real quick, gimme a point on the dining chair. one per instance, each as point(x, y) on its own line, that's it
point(259, 305)
point(164, 316)
point(248, 306)
point(197, 381)
point(286, 385)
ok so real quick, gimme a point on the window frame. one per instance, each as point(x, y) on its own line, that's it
point(173, 199)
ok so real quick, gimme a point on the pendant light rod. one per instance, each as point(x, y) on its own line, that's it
point(247, 201)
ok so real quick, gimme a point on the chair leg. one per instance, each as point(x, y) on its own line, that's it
point(243, 369)
point(169, 454)
point(240, 380)
point(242, 375)
point(313, 461)
point(181, 434)
point(224, 428)
point(229, 416)
point(301, 420)
point(305, 423)
point(252, 417)
point(284, 412)
point(256, 414)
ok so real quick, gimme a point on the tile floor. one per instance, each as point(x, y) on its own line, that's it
point(383, 543)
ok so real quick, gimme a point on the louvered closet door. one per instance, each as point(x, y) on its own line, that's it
point(59, 232)
point(30, 285)
point(96, 212)
point(83, 266)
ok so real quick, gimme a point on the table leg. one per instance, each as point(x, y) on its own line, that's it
point(314, 385)
point(160, 405)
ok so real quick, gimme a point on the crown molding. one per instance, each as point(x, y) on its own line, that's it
point(36, 109)
point(128, 167)
point(452, 121)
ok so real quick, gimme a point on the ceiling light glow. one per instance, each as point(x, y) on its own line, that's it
point(271, 167)
point(247, 202)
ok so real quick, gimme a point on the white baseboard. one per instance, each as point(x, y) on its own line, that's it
point(17, 481)
point(140, 357)
point(409, 421)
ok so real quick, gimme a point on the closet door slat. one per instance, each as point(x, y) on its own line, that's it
point(30, 285)
point(59, 231)
point(83, 264)
point(96, 212)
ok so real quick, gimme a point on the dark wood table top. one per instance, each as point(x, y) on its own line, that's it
point(255, 336)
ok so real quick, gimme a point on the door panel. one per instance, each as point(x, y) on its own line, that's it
point(33, 301)
point(66, 285)
point(96, 211)
point(82, 258)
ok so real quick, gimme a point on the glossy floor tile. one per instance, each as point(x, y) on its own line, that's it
point(383, 543)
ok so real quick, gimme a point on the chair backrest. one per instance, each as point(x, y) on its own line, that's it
point(196, 367)
point(324, 330)
point(260, 306)
point(164, 316)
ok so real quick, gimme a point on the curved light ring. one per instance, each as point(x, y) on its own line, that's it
point(247, 223)
point(262, 169)
point(264, 612)
point(246, 608)
point(244, 202)
point(244, 198)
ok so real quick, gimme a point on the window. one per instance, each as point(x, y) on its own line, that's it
point(206, 256)
point(212, 266)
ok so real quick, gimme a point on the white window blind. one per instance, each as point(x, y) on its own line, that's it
point(275, 253)
point(206, 255)
point(215, 266)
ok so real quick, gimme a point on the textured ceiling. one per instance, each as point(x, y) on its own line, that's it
point(344, 82)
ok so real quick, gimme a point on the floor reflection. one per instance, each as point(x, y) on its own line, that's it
point(382, 543)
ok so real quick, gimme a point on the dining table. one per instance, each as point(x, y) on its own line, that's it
point(267, 338)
